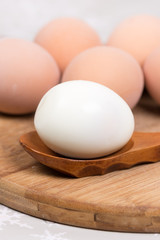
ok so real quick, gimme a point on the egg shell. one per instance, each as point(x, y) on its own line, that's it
point(64, 38)
point(83, 119)
point(27, 71)
point(138, 35)
point(151, 70)
point(111, 67)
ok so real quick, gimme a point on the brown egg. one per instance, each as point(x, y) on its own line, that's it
point(138, 35)
point(27, 71)
point(151, 69)
point(64, 38)
point(111, 67)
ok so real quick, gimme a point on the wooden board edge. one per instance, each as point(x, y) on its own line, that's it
point(98, 221)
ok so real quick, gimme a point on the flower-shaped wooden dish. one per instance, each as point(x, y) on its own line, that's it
point(142, 148)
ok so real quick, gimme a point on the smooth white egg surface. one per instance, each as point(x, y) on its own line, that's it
point(83, 119)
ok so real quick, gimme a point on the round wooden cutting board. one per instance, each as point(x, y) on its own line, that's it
point(125, 200)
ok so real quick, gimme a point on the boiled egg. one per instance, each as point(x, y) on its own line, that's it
point(83, 119)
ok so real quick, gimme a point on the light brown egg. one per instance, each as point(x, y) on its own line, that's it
point(138, 35)
point(27, 71)
point(64, 38)
point(111, 67)
point(151, 69)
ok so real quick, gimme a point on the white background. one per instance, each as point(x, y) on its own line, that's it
point(23, 19)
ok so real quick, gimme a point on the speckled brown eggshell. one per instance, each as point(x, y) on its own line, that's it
point(111, 67)
point(27, 71)
point(64, 38)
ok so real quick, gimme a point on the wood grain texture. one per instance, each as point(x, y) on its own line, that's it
point(142, 148)
point(123, 200)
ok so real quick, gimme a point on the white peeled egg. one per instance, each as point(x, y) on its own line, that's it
point(83, 119)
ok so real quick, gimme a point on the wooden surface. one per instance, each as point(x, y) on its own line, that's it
point(144, 144)
point(124, 200)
